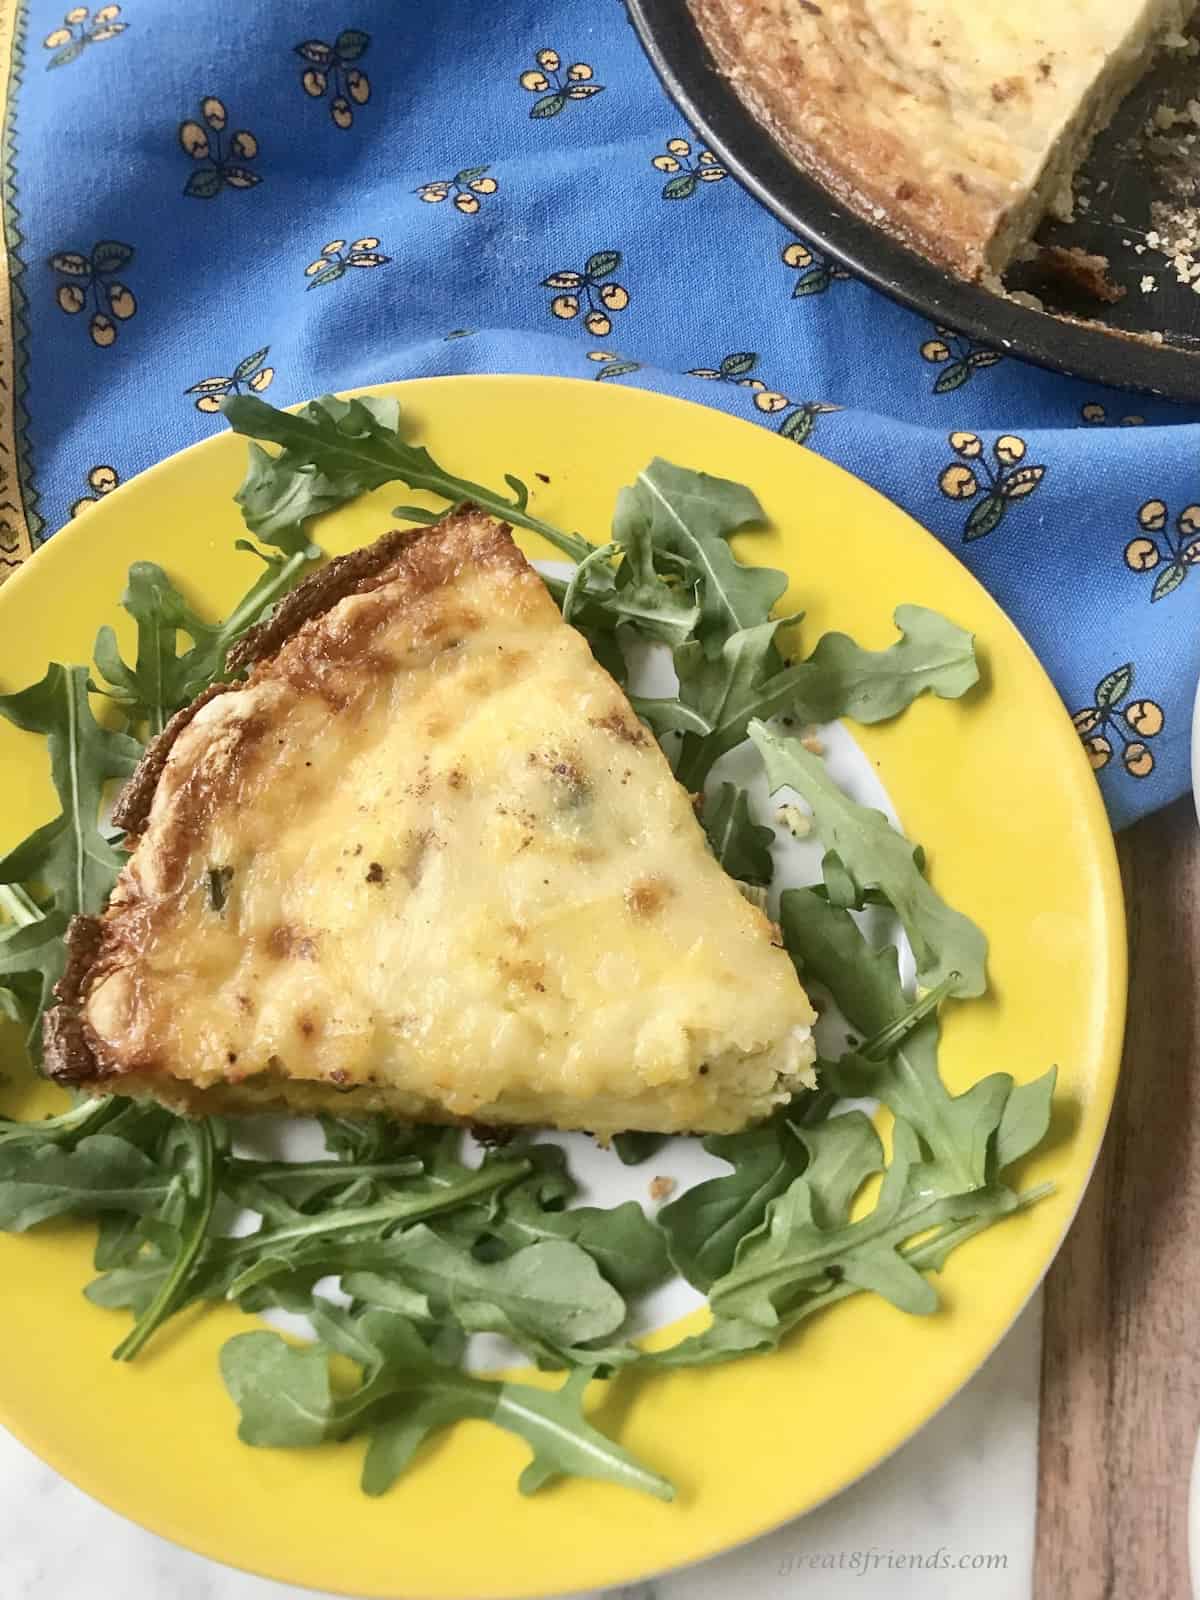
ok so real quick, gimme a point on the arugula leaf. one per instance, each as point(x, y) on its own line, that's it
point(88, 1116)
point(662, 606)
point(943, 940)
point(281, 1260)
point(69, 856)
point(599, 562)
point(625, 1244)
point(388, 1293)
point(843, 1153)
point(634, 1148)
point(551, 1421)
point(840, 887)
point(728, 1337)
point(136, 1265)
point(958, 1130)
point(793, 1248)
point(281, 493)
point(807, 1253)
point(356, 1236)
point(481, 1316)
point(101, 1173)
point(162, 678)
point(725, 691)
point(32, 958)
point(484, 1222)
point(864, 984)
point(690, 515)
point(551, 1292)
point(1026, 1119)
point(844, 680)
point(301, 1183)
point(721, 692)
point(828, 947)
point(741, 845)
point(118, 1240)
point(334, 450)
point(633, 592)
point(283, 1391)
point(375, 1138)
point(286, 1400)
point(705, 1225)
point(200, 1193)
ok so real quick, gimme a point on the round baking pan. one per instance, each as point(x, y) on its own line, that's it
point(1118, 345)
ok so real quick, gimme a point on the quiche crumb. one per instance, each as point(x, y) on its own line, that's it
point(798, 823)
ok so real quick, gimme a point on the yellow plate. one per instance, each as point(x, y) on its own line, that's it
point(999, 790)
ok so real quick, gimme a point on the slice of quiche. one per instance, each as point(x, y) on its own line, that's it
point(425, 860)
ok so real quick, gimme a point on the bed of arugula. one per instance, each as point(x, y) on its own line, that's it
point(430, 1247)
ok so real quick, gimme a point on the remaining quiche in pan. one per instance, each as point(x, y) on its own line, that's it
point(956, 124)
point(426, 860)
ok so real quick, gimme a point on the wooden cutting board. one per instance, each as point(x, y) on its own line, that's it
point(1121, 1347)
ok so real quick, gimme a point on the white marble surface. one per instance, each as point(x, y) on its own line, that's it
point(965, 1486)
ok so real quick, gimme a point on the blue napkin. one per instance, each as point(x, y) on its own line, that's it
point(286, 199)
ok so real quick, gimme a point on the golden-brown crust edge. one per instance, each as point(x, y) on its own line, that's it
point(132, 805)
point(862, 176)
point(320, 592)
point(67, 1052)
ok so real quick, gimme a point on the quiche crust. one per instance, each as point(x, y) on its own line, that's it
point(955, 124)
point(426, 860)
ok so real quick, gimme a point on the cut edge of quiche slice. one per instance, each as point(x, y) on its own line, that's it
point(425, 860)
